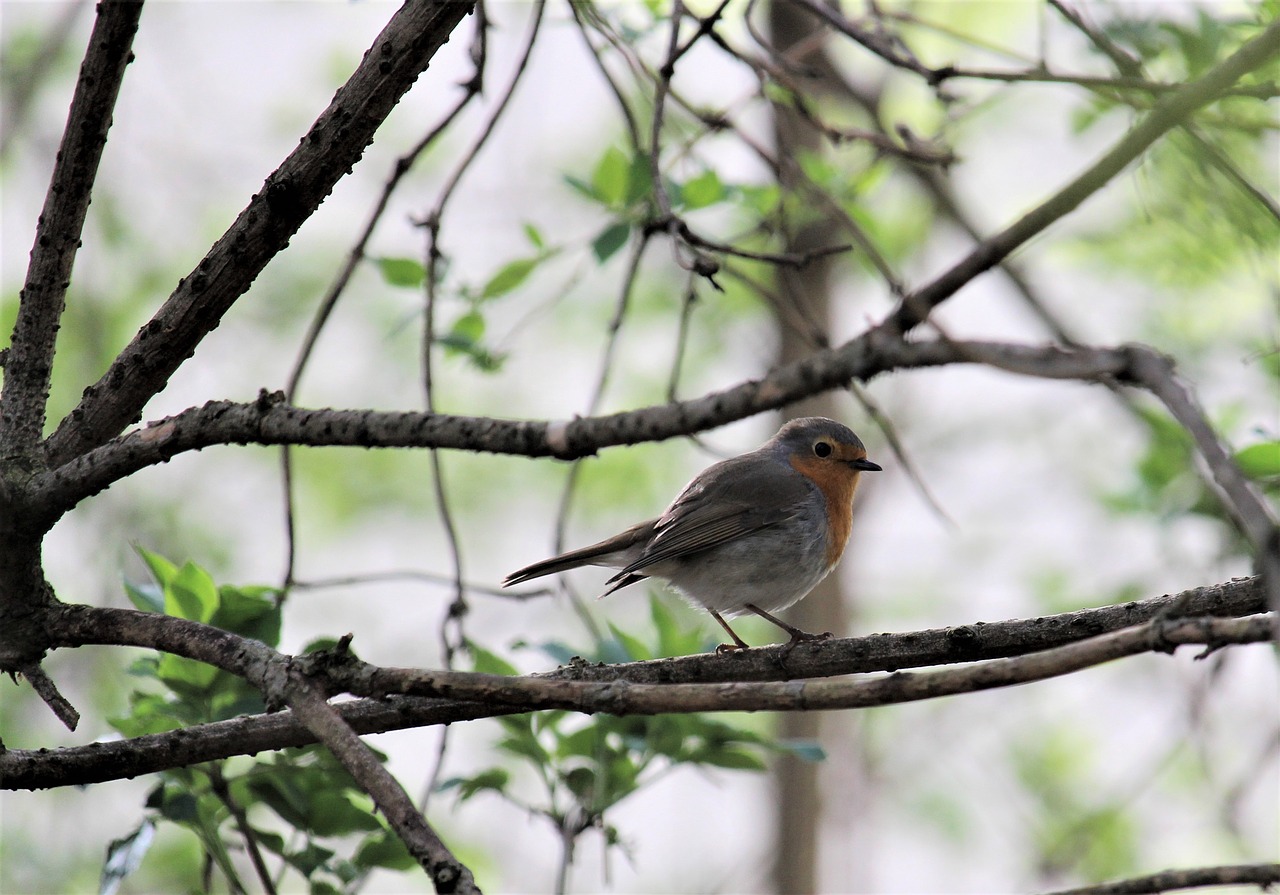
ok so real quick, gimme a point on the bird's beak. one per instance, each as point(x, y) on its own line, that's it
point(865, 465)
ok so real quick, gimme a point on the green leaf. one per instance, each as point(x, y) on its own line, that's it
point(161, 569)
point(466, 331)
point(494, 779)
point(486, 662)
point(609, 240)
point(737, 759)
point(581, 187)
point(702, 190)
point(806, 750)
point(334, 814)
point(146, 597)
point(1260, 461)
point(249, 611)
point(191, 594)
point(186, 677)
point(611, 177)
point(384, 850)
point(521, 740)
point(634, 647)
point(534, 235)
point(639, 180)
point(510, 276)
point(405, 273)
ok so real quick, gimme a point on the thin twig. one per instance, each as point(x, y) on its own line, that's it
point(47, 690)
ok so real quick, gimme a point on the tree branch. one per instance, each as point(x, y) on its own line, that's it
point(309, 705)
point(1262, 875)
point(96, 762)
point(288, 198)
point(625, 698)
point(58, 230)
point(270, 421)
point(1155, 372)
point(1170, 112)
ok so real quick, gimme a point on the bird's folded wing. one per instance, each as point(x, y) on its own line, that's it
point(731, 505)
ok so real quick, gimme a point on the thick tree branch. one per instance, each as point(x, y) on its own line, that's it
point(270, 421)
point(79, 625)
point(1261, 875)
point(625, 698)
point(288, 198)
point(30, 359)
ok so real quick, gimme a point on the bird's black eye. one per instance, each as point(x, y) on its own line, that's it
point(822, 449)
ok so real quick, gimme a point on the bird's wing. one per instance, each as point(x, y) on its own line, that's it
point(715, 509)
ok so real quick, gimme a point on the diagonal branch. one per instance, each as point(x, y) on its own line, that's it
point(288, 197)
point(1170, 112)
point(447, 873)
point(58, 230)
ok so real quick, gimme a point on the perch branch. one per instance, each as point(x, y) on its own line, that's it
point(96, 762)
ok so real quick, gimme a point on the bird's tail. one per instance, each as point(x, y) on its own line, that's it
point(612, 553)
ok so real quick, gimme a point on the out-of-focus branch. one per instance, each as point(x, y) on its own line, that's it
point(1170, 112)
point(1262, 875)
point(1253, 514)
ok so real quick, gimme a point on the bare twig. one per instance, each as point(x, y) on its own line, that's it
point(402, 166)
point(47, 690)
point(218, 784)
point(1253, 514)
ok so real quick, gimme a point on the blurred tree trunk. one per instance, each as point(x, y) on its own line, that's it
point(803, 307)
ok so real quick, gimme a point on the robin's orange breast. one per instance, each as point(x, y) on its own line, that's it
point(837, 482)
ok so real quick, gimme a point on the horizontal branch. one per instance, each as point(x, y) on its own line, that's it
point(270, 421)
point(96, 762)
point(621, 697)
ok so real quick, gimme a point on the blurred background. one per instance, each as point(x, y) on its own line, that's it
point(1045, 496)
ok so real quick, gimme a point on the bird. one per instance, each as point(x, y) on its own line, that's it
point(754, 533)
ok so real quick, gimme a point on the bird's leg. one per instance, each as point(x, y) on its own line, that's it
point(797, 636)
point(739, 643)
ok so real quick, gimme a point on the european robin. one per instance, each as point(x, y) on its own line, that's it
point(754, 533)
